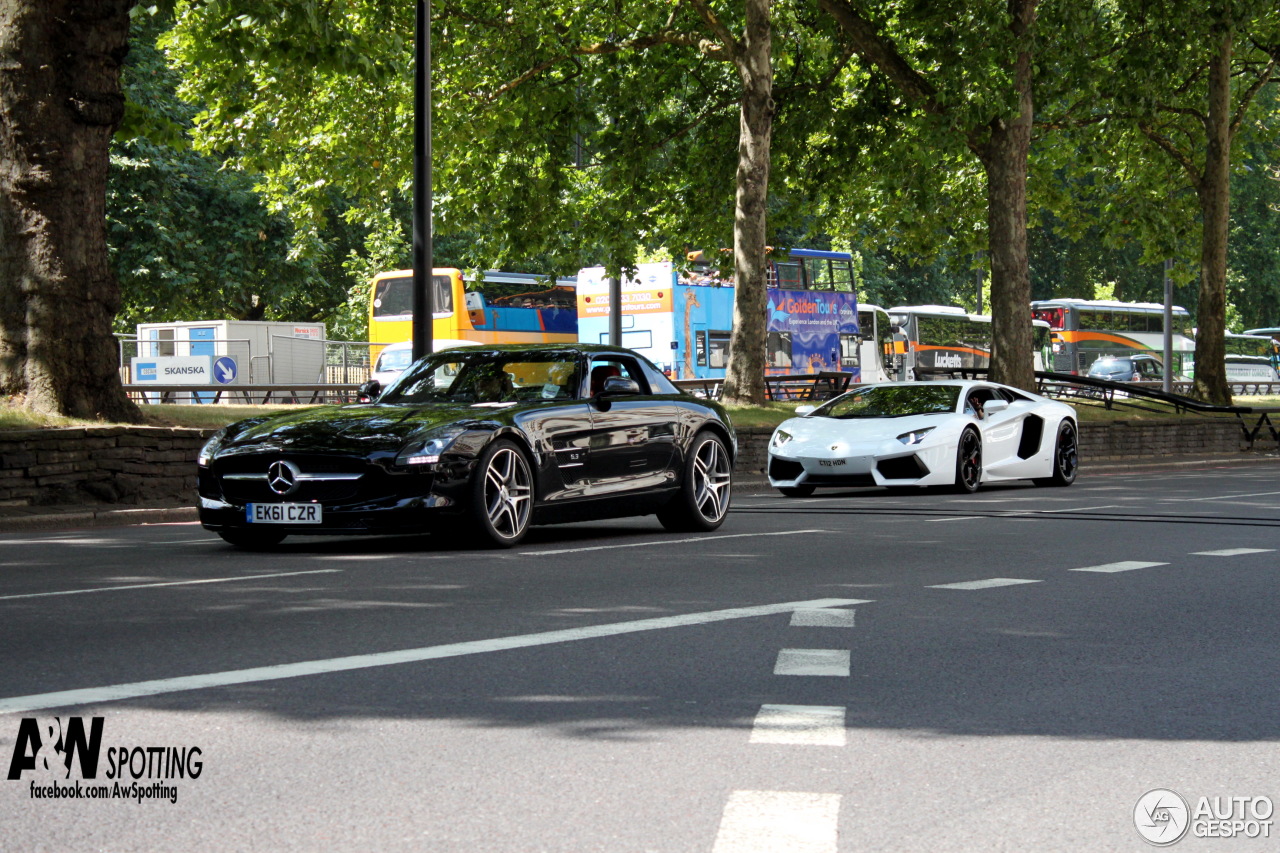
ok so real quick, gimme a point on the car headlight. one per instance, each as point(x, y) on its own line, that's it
point(426, 451)
point(780, 437)
point(210, 447)
point(915, 436)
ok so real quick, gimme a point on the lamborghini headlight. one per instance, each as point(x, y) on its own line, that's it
point(780, 437)
point(426, 451)
point(915, 436)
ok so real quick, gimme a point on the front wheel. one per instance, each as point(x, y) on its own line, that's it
point(796, 491)
point(501, 495)
point(969, 461)
point(706, 489)
point(1066, 458)
point(252, 540)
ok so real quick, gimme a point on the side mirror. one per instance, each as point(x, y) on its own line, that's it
point(369, 391)
point(993, 406)
point(805, 410)
point(616, 386)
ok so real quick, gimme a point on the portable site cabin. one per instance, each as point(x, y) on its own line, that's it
point(229, 352)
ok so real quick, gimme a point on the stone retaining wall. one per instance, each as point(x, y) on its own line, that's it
point(125, 465)
point(1116, 440)
point(139, 465)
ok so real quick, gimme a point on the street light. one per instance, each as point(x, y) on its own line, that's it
point(1166, 383)
point(422, 261)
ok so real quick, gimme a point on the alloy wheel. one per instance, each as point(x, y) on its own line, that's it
point(1068, 456)
point(970, 460)
point(712, 477)
point(508, 491)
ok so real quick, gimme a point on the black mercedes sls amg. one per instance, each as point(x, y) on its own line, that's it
point(487, 440)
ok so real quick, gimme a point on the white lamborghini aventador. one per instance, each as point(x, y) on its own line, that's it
point(957, 433)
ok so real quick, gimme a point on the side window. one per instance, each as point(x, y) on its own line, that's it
point(977, 399)
point(604, 368)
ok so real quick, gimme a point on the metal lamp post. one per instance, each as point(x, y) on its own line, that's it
point(422, 262)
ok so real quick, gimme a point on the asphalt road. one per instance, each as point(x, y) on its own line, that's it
point(858, 670)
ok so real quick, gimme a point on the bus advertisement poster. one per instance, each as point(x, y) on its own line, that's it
point(805, 329)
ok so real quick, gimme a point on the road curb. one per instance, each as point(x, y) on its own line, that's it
point(35, 519)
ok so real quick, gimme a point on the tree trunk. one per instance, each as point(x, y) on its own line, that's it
point(744, 374)
point(1004, 158)
point(1001, 146)
point(1215, 209)
point(60, 101)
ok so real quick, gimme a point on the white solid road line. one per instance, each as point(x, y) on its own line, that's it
point(961, 518)
point(825, 662)
point(800, 725)
point(1076, 509)
point(774, 821)
point(1230, 497)
point(166, 583)
point(986, 584)
point(1123, 566)
point(823, 619)
point(1233, 552)
point(114, 692)
point(663, 542)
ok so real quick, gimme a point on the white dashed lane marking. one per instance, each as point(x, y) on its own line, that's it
point(805, 725)
point(772, 821)
point(828, 662)
point(1123, 566)
point(823, 619)
point(1232, 552)
point(986, 584)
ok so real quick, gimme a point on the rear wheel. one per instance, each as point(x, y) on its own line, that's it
point(252, 540)
point(796, 491)
point(706, 489)
point(969, 461)
point(501, 495)
point(1066, 458)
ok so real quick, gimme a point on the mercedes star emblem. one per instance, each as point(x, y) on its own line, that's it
point(282, 477)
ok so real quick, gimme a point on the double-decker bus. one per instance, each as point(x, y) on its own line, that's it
point(682, 320)
point(497, 308)
point(1086, 329)
point(933, 339)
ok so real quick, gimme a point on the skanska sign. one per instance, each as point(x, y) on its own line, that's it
point(173, 370)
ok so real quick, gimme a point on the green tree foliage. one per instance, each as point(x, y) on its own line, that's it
point(1182, 98)
point(570, 135)
point(569, 131)
point(1253, 278)
point(190, 240)
point(964, 83)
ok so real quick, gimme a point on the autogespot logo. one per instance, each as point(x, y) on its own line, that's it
point(1162, 817)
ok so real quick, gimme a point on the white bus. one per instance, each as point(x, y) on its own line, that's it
point(935, 339)
point(1084, 330)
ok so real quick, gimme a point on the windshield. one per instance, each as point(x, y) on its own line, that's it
point(486, 378)
point(393, 359)
point(892, 401)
